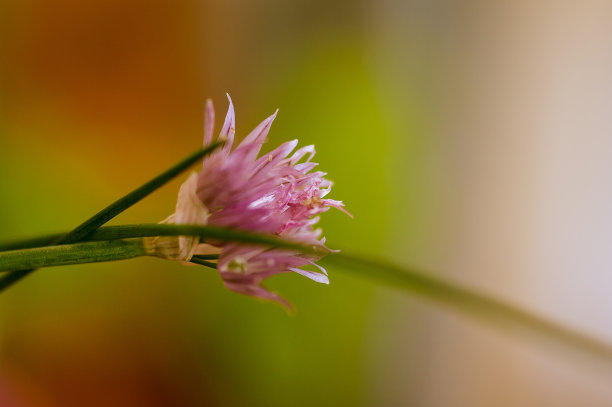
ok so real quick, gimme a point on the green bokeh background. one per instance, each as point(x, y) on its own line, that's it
point(97, 97)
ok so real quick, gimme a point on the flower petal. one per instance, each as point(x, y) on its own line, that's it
point(297, 156)
point(258, 291)
point(313, 275)
point(209, 122)
point(229, 127)
point(258, 135)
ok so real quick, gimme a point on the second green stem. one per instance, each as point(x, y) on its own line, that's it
point(91, 252)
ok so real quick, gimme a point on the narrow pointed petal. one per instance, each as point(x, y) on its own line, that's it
point(305, 167)
point(258, 135)
point(313, 275)
point(276, 156)
point(319, 267)
point(209, 122)
point(338, 205)
point(259, 292)
point(297, 156)
point(229, 127)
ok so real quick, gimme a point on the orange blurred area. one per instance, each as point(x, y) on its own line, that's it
point(471, 139)
point(121, 74)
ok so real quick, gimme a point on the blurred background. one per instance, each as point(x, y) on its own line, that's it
point(468, 138)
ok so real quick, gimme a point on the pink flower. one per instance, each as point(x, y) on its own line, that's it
point(275, 194)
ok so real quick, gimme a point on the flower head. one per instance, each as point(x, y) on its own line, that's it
point(275, 193)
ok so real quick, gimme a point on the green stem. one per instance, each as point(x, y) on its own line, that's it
point(202, 262)
point(207, 256)
point(75, 253)
point(114, 209)
point(133, 197)
point(469, 302)
point(447, 293)
point(156, 229)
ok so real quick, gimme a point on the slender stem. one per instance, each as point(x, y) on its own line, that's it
point(454, 296)
point(469, 302)
point(38, 241)
point(203, 262)
point(133, 197)
point(76, 253)
point(207, 256)
point(114, 209)
point(156, 229)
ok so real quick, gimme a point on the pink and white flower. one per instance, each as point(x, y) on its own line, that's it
point(276, 194)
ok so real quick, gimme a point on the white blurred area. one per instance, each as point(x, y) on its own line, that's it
point(522, 117)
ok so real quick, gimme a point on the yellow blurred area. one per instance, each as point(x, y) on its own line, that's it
point(471, 138)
